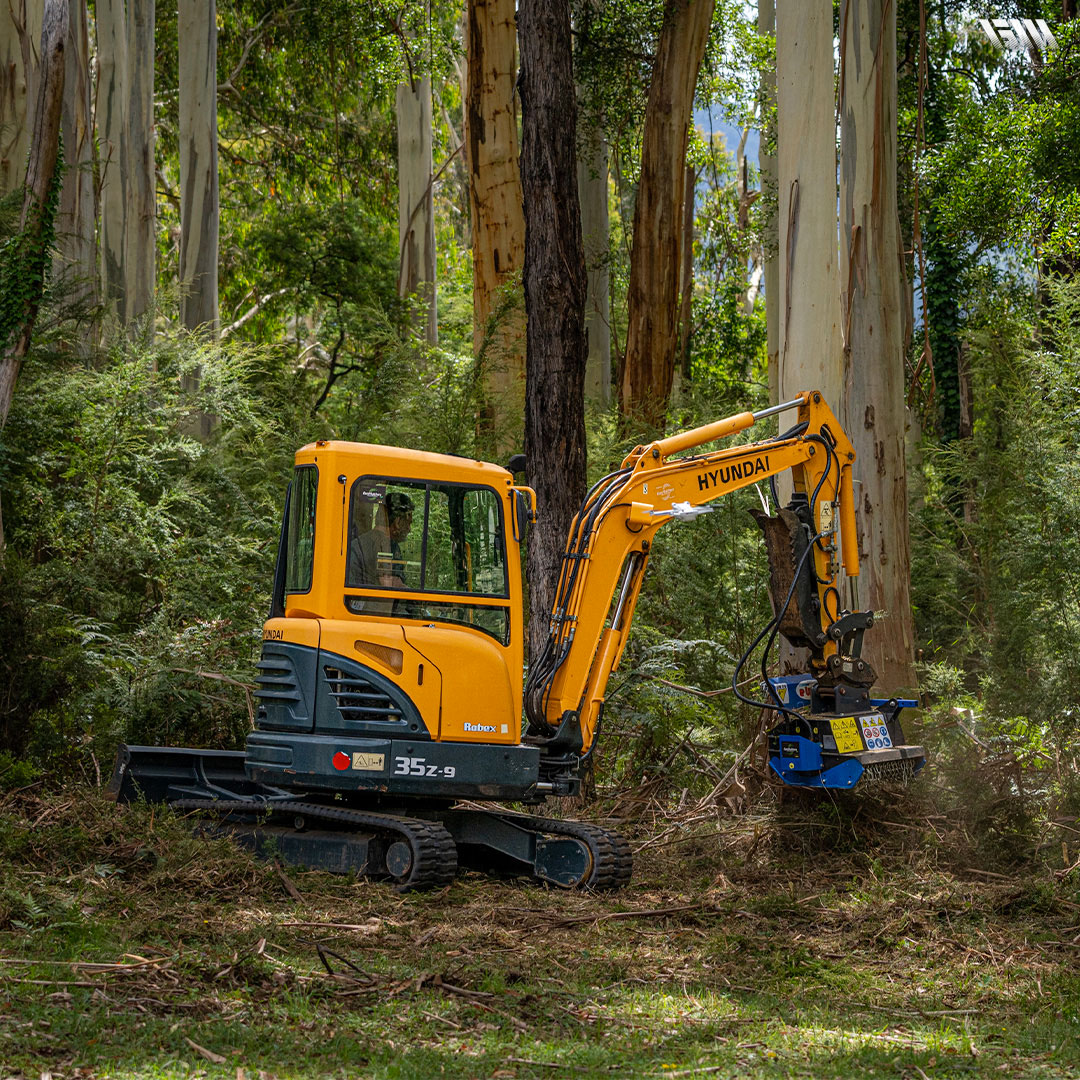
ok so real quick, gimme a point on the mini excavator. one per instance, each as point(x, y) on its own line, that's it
point(390, 685)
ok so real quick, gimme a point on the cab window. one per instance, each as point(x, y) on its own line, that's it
point(410, 536)
point(386, 535)
point(300, 557)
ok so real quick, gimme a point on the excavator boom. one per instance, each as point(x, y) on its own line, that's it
point(611, 539)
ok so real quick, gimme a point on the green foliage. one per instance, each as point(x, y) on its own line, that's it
point(338, 264)
point(1009, 172)
point(139, 556)
point(995, 546)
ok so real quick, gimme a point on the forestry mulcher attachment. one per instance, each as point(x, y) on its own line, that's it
point(390, 684)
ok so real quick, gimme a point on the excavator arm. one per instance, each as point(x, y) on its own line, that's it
point(610, 540)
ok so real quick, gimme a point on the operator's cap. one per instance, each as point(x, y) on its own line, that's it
point(398, 504)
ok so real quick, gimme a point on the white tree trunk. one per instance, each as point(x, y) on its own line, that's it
point(197, 33)
point(770, 243)
point(592, 173)
point(874, 314)
point(809, 345)
point(809, 355)
point(112, 111)
point(33, 222)
point(140, 236)
point(20, 34)
point(75, 265)
point(416, 203)
point(125, 123)
point(498, 220)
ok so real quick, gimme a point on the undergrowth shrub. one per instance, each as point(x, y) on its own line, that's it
point(139, 556)
point(996, 546)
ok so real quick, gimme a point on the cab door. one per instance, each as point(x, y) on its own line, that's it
point(477, 692)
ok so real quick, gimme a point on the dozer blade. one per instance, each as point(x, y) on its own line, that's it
point(159, 774)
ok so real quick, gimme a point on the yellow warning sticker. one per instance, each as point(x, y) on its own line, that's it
point(368, 762)
point(846, 735)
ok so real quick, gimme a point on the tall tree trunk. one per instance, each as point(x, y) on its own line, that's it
point(686, 273)
point(140, 238)
point(416, 203)
point(197, 34)
point(112, 109)
point(874, 317)
point(593, 192)
point(810, 349)
point(555, 288)
point(25, 259)
point(76, 255)
point(652, 333)
point(770, 242)
point(498, 222)
point(20, 31)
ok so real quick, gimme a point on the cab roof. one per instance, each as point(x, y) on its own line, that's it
point(372, 458)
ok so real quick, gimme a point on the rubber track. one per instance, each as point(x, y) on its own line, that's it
point(613, 861)
point(434, 852)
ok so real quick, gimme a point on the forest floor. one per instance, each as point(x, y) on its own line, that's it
point(787, 943)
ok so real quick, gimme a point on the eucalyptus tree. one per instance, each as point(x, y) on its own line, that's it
point(808, 346)
point(555, 289)
point(656, 255)
point(593, 177)
point(20, 32)
point(125, 124)
point(495, 197)
point(875, 318)
point(416, 202)
point(767, 170)
point(198, 135)
point(75, 265)
point(23, 260)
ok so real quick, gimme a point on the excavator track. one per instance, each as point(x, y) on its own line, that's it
point(612, 859)
point(421, 854)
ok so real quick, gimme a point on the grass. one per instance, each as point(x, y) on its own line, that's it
point(793, 944)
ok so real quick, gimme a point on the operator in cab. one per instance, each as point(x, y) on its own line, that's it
point(375, 556)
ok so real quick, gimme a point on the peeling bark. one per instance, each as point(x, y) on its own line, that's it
point(125, 123)
point(874, 320)
point(20, 34)
point(656, 253)
point(498, 221)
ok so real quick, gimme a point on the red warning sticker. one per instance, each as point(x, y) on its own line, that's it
point(341, 761)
